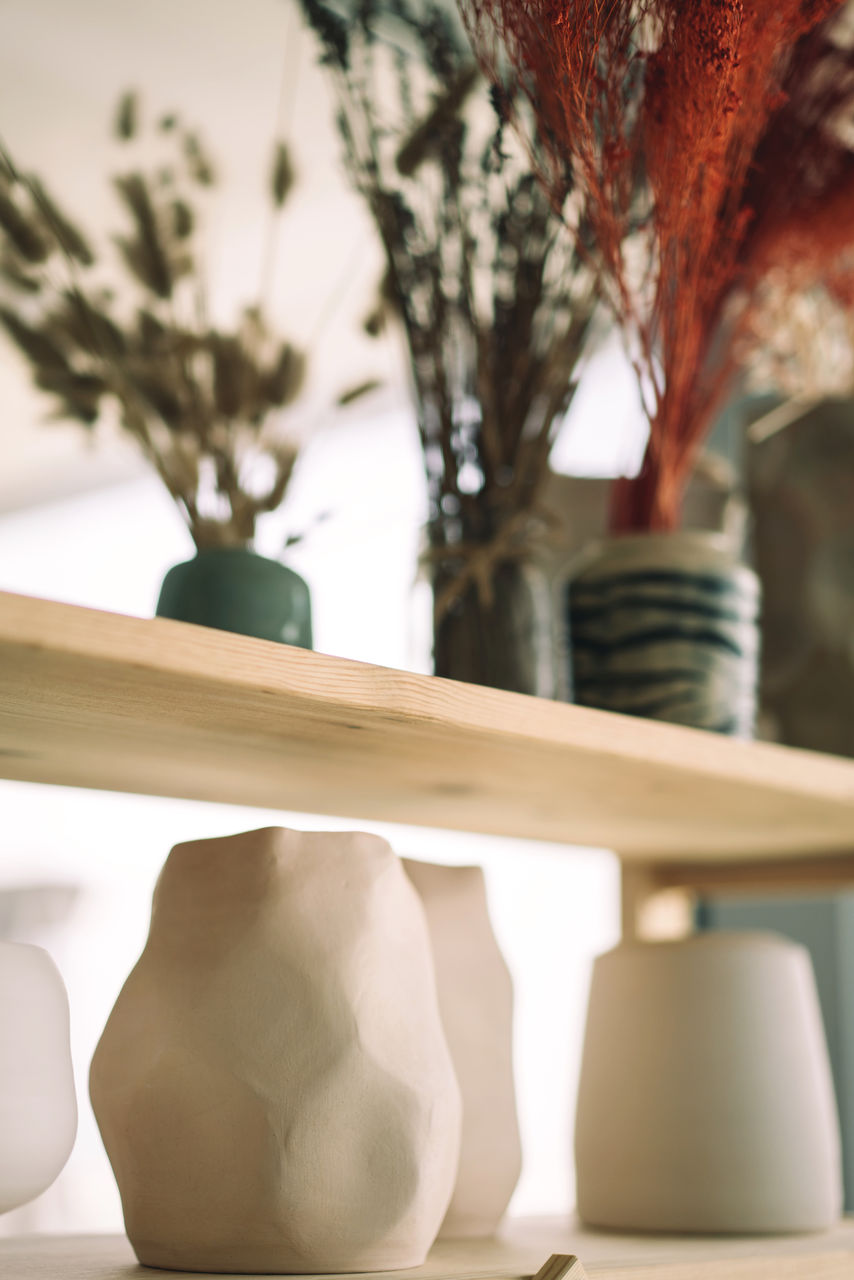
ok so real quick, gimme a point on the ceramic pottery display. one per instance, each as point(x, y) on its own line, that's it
point(38, 1107)
point(706, 1102)
point(274, 1087)
point(233, 589)
point(476, 1003)
point(665, 626)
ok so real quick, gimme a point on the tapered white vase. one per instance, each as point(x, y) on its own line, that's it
point(706, 1101)
point(274, 1087)
point(38, 1107)
point(476, 1003)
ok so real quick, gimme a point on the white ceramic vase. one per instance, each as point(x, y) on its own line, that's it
point(476, 1003)
point(38, 1107)
point(706, 1101)
point(273, 1087)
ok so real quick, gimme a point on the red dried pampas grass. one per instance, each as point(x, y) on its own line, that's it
point(667, 113)
point(801, 185)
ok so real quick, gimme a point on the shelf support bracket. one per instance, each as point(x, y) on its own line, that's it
point(650, 907)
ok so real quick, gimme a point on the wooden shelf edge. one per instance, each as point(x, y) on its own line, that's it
point(203, 653)
point(117, 703)
point(517, 1254)
point(769, 876)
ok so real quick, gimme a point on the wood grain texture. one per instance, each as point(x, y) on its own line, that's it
point(561, 1266)
point(516, 1255)
point(157, 707)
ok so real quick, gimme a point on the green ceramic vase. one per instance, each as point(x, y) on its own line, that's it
point(234, 589)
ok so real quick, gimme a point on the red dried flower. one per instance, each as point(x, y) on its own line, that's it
point(699, 96)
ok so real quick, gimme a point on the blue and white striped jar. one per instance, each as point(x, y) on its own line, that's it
point(665, 625)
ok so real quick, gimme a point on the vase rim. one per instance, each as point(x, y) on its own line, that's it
point(714, 537)
point(12, 944)
point(229, 550)
point(686, 550)
point(640, 542)
point(709, 940)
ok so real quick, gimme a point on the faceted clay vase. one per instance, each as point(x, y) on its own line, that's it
point(665, 626)
point(476, 1003)
point(38, 1107)
point(706, 1101)
point(233, 589)
point(273, 1087)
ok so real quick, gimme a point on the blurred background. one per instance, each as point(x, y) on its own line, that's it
point(84, 521)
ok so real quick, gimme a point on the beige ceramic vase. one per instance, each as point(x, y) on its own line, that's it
point(706, 1100)
point(273, 1086)
point(476, 1003)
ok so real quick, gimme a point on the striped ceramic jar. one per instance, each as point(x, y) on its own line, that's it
point(666, 626)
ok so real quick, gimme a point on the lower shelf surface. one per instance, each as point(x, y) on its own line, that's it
point(519, 1252)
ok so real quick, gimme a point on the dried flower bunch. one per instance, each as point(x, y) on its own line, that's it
point(687, 93)
point(201, 402)
point(803, 324)
point(494, 298)
point(804, 345)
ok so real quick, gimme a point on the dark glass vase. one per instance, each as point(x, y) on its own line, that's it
point(504, 642)
point(234, 589)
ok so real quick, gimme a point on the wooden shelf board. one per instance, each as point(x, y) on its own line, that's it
point(523, 1247)
point(93, 699)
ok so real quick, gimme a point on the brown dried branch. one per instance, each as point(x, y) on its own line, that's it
point(125, 126)
point(283, 175)
point(198, 400)
point(481, 274)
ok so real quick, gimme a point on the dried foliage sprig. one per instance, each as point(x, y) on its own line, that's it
point(803, 348)
point(200, 401)
point(684, 92)
point(495, 300)
point(802, 328)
